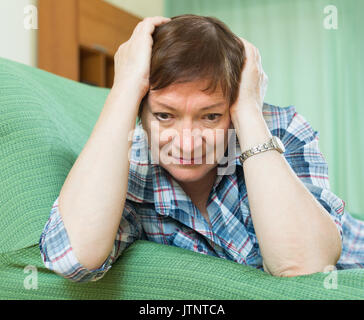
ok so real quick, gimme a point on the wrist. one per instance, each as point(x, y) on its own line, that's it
point(123, 98)
point(251, 129)
point(129, 87)
point(249, 107)
point(247, 119)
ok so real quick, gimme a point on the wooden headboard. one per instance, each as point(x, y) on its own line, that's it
point(77, 39)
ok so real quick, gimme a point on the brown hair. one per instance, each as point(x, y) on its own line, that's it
point(192, 47)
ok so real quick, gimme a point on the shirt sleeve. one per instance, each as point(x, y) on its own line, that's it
point(304, 156)
point(58, 255)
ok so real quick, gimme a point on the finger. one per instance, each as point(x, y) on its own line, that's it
point(258, 62)
point(249, 50)
point(249, 46)
point(157, 20)
point(150, 23)
point(258, 56)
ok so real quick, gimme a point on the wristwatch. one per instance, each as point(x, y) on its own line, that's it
point(273, 144)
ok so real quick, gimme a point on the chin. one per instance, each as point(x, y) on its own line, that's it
point(188, 173)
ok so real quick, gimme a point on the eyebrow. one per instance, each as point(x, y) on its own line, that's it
point(204, 108)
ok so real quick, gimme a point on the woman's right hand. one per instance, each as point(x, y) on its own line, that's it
point(132, 59)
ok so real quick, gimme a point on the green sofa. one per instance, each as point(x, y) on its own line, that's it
point(45, 120)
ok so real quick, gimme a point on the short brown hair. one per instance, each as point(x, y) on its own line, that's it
point(192, 47)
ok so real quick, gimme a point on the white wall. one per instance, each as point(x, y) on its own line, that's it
point(141, 8)
point(19, 44)
point(16, 42)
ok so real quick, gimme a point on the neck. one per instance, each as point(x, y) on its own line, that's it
point(199, 190)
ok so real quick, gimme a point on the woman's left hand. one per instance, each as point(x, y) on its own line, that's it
point(253, 83)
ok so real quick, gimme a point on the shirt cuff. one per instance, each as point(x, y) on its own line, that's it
point(58, 255)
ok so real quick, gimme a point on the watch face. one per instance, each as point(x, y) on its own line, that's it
point(279, 144)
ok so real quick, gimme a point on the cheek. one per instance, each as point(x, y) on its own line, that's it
point(222, 133)
point(160, 143)
point(221, 142)
point(149, 125)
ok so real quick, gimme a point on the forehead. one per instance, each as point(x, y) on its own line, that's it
point(187, 92)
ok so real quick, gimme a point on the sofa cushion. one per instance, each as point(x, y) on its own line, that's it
point(45, 122)
point(153, 271)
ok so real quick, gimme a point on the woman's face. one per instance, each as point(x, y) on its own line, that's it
point(185, 137)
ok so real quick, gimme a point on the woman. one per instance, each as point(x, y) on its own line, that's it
point(192, 82)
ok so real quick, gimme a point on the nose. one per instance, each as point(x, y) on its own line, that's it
point(187, 140)
point(188, 143)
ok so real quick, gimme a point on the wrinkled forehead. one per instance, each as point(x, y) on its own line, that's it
point(188, 93)
point(197, 87)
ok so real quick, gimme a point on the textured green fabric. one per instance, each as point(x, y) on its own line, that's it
point(45, 122)
point(149, 271)
point(318, 70)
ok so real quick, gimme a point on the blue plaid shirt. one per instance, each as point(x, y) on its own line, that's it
point(157, 208)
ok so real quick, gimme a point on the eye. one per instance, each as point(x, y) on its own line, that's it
point(162, 116)
point(213, 116)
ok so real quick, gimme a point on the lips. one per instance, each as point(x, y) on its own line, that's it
point(192, 159)
point(189, 161)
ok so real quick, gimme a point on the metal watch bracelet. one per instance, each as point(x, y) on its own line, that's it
point(273, 144)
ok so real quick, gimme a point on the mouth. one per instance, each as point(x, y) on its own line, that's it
point(191, 161)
